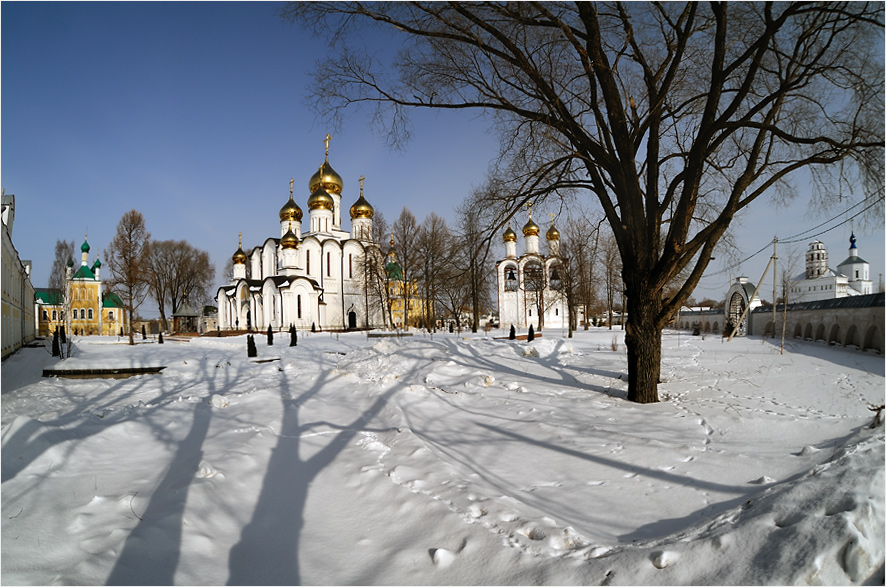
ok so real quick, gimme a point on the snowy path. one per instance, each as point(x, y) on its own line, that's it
point(442, 460)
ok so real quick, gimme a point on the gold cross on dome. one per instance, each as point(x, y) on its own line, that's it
point(361, 184)
point(529, 207)
point(552, 218)
point(240, 241)
point(290, 186)
point(328, 136)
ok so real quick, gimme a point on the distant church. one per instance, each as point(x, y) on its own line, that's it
point(305, 279)
point(820, 282)
point(530, 287)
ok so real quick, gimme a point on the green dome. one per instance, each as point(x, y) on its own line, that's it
point(97, 263)
point(84, 247)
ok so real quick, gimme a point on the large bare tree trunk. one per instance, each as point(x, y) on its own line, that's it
point(643, 342)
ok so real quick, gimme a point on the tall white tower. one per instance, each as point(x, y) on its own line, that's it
point(816, 260)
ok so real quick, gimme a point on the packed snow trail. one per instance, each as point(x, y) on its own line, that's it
point(442, 460)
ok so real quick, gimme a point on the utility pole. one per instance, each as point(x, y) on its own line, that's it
point(751, 299)
point(774, 282)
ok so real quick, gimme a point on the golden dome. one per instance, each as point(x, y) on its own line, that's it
point(239, 257)
point(531, 228)
point(320, 199)
point(552, 234)
point(290, 211)
point(289, 240)
point(327, 178)
point(361, 209)
point(510, 236)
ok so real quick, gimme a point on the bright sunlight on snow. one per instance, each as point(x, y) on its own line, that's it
point(442, 460)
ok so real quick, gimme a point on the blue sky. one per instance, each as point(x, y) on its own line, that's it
point(195, 115)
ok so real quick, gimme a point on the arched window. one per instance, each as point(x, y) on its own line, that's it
point(351, 268)
point(556, 280)
point(328, 265)
point(110, 315)
point(298, 304)
point(533, 277)
point(307, 265)
point(90, 313)
point(510, 279)
point(82, 314)
point(46, 315)
point(54, 315)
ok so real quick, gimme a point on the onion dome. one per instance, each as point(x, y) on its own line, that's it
point(289, 240)
point(70, 261)
point(361, 209)
point(84, 247)
point(326, 178)
point(290, 211)
point(531, 228)
point(552, 234)
point(510, 236)
point(239, 257)
point(97, 264)
point(321, 199)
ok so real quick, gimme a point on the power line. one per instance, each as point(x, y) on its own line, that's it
point(801, 236)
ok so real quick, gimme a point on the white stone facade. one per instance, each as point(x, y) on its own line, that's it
point(306, 280)
point(820, 282)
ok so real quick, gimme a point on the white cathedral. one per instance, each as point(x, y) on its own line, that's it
point(530, 287)
point(819, 282)
point(305, 279)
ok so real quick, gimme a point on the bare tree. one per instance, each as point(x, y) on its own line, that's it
point(373, 277)
point(127, 260)
point(433, 254)
point(477, 221)
point(611, 269)
point(405, 233)
point(176, 272)
point(64, 251)
point(578, 249)
point(673, 116)
point(58, 280)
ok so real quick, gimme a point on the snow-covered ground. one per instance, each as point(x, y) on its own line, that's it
point(443, 460)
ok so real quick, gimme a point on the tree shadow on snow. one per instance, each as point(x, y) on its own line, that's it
point(267, 553)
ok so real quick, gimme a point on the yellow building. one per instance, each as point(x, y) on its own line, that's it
point(406, 304)
point(83, 309)
point(50, 307)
